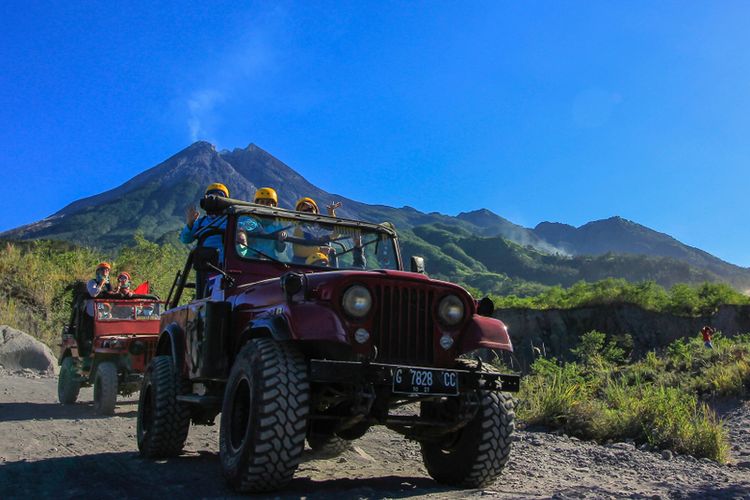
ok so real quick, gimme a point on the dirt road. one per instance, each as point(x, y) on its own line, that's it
point(49, 450)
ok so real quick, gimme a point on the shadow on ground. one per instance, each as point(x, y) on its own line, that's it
point(127, 475)
point(45, 411)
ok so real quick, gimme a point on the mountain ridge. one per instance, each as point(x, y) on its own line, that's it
point(154, 200)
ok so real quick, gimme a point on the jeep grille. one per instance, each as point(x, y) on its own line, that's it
point(403, 324)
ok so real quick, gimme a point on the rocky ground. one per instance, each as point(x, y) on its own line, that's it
point(47, 449)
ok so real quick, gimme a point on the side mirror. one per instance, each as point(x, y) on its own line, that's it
point(485, 307)
point(204, 258)
point(417, 264)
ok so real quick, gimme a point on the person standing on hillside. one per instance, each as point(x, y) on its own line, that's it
point(209, 229)
point(708, 334)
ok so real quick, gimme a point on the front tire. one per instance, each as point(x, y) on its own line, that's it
point(264, 416)
point(475, 455)
point(163, 423)
point(68, 384)
point(105, 389)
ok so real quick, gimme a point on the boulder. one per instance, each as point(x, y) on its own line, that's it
point(19, 351)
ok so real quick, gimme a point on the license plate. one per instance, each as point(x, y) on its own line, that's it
point(422, 381)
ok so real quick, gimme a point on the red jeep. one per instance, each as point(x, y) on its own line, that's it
point(109, 350)
point(311, 329)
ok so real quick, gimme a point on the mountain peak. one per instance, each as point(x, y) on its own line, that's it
point(481, 217)
point(200, 145)
point(612, 222)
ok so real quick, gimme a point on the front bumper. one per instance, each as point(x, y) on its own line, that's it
point(380, 374)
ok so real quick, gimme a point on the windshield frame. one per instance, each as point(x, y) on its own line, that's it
point(244, 208)
point(130, 303)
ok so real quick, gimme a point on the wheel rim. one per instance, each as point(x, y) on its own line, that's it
point(240, 413)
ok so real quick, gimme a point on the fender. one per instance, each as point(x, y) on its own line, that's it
point(68, 347)
point(172, 342)
point(311, 321)
point(484, 332)
point(276, 325)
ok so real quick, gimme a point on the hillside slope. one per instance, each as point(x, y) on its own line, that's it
point(484, 249)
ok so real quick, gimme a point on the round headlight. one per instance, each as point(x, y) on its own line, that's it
point(357, 301)
point(137, 347)
point(451, 310)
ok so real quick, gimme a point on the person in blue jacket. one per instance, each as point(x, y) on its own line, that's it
point(209, 229)
point(271, 247)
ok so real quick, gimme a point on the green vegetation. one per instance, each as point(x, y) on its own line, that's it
point(500, 266)
point(36, 278)
point(680, 299)
point(655, 400)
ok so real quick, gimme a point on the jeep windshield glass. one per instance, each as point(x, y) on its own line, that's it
point(118, 311)
point(313, 243)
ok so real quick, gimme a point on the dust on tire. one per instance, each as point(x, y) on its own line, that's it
point(105, 388)
point(264, 416)
point(68, 385)
point(163, 423)
point(477, 453)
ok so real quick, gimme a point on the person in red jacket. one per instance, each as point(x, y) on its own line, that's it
point(708, 333)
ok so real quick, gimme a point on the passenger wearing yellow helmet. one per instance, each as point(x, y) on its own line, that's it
point(317, 259)
point(308, 205)
point(250, 246)
point(209, 229)
point(303, 250)
point(266, 196)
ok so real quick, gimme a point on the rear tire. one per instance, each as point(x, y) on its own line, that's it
point(264, 416)
point(105, 389)
point(68, 384)
point(163, 423)
point(475, 455)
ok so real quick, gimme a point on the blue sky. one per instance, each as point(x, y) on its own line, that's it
point(539, 111)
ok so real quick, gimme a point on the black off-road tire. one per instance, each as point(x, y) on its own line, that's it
point(475, 455)
point(68, 384)
point(328, 446)
point(105, 388)
point(163, 422)
point(264, 416)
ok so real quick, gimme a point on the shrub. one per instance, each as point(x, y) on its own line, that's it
point(654, 400)
point(551, 392)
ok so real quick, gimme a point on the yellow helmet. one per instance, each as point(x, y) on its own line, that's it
point(316, 258)
point(218, 186)
point(266, 194)
point(307, 200)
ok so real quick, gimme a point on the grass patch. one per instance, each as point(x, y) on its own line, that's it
point(656, 400)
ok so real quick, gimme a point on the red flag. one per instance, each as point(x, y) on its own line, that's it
point(142, 289)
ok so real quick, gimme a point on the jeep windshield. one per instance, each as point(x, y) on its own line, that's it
point(117, 311)
point(314, 243)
